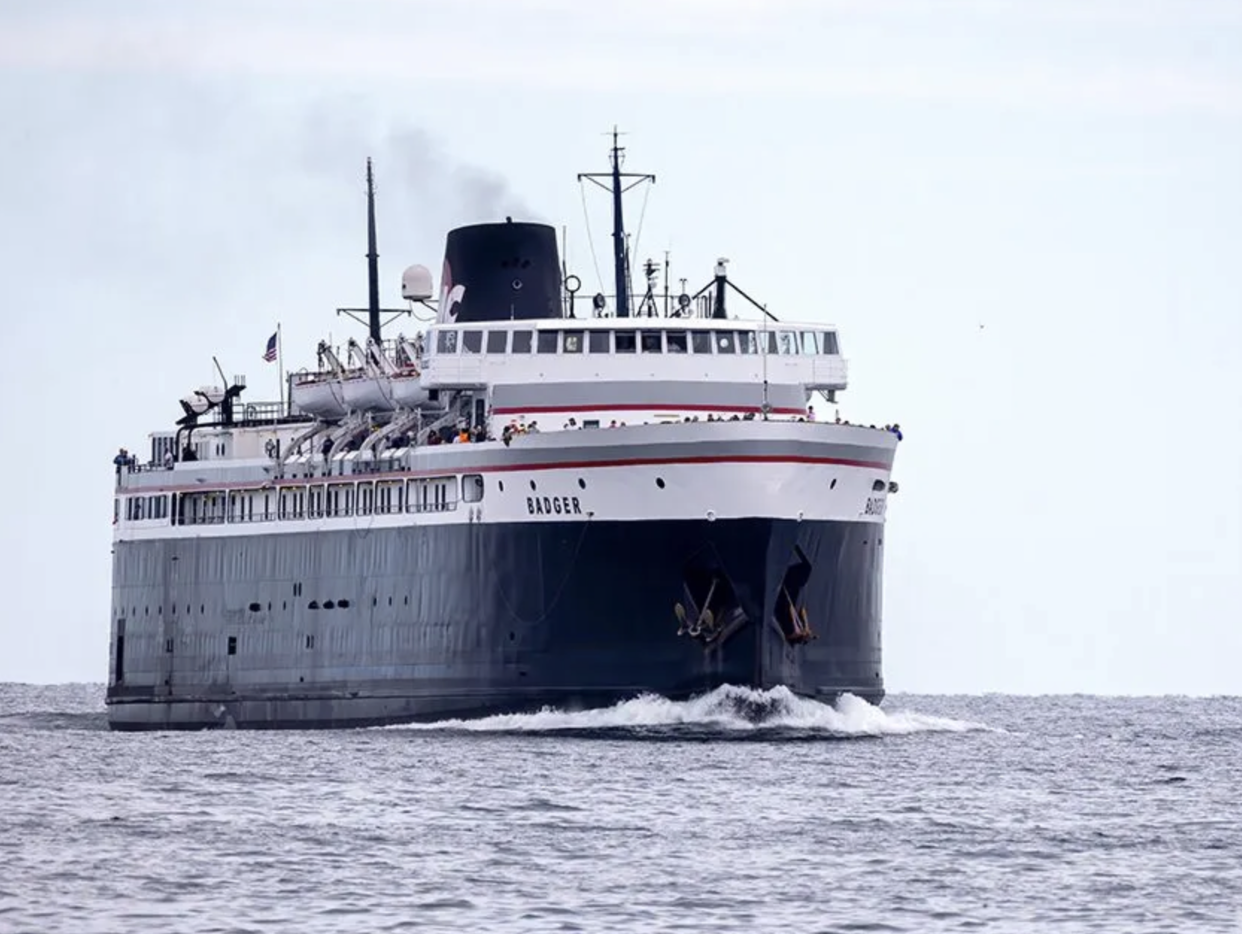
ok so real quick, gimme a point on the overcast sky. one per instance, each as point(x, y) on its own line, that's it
point(1024, 215)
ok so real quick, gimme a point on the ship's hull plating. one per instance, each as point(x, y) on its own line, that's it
point(354, 627)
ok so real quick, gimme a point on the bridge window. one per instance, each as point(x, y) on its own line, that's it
point(497, 341)
point(830, 342)
point(521, 342)
point(786, 342)
point(472, 341)
point(545, 341)
point(598, 341)
point(446, 342)
point(676, 341)
point(746, 342)
point(725, 342)
point(627, 341)
point(810, 342)
point(573, 342)
point(767, 341)
point(701, 341)
point(652, 342)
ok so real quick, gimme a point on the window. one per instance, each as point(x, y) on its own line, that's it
point(545, 341)
point(573, 342)
point(830, 342)
point(701, 341)
point(521, 342)
point(725, 342)
point(366, 498)
point(232, 645)
point(497, 341)
point(472, 487)
point(786, 342)
point(652, 342)
point(446, 342)
point(472, 341)
point(599, 341)
point(746, 342)
point(810, 342)
point(767, 340)
point(676, 341)
point(626, 342)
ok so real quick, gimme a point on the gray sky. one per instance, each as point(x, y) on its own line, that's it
point(1025, 216)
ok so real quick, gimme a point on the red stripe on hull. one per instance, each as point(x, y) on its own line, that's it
point(639, 407)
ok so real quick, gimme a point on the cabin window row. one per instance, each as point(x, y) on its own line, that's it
point(635, 340)
point(322, 500)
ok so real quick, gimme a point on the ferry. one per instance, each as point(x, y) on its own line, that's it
point(533, 501)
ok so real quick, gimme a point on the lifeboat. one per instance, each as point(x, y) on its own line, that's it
point(318, 394)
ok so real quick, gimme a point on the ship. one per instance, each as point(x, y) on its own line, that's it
point(534, 501)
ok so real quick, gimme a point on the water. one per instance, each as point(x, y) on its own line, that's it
point(735, 812)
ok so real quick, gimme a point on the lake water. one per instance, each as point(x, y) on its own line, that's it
point(739, 811)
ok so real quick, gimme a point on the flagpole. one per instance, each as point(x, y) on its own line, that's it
point(280, 365)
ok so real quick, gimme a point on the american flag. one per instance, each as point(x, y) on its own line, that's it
point(270, 354)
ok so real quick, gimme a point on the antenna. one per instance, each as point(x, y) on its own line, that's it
point(615, 186)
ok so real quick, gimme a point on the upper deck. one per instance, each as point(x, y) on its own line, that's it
point(572, 350)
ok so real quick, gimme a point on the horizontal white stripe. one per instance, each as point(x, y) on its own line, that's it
point(611, 494)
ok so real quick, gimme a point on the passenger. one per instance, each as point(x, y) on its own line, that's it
point(613, 423)
point(168, 460)
point(810, 413)
point(121, 460)
point(896, 429)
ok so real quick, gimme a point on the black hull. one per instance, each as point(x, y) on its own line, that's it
point(432, 622)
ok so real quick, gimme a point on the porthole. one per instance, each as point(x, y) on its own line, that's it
point(878, 486)
point(660, 482)
point(500, 485)
point(313, 605)
point(407, 599)
point(254, 608)
point(329, 605)
point(833, 484)
point(343, 604)
point(581, 484)
point(532, 485)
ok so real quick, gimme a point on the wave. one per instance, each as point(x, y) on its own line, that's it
point(729, 710)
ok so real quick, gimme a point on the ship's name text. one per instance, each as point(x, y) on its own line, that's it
point(875, 506)
point(553, 506)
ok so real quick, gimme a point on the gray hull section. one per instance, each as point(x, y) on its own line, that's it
point(348, 628)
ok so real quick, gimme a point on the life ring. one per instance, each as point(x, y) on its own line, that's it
point(271, 447)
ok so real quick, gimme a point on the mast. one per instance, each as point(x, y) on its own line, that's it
point(617, 187)
point(373, 305)
point(620, 255)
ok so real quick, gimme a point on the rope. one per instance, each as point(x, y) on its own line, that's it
point(641, 215)
point(590, 240)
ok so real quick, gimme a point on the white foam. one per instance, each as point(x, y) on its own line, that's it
point(728, 708)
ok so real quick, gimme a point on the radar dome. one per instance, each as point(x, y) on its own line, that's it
point(416, 284)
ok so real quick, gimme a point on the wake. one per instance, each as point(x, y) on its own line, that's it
point(729, 709)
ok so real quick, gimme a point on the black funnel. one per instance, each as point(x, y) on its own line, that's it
point(499, 272)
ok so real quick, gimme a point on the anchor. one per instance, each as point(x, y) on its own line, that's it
point(704, 624)
point(800, 624)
